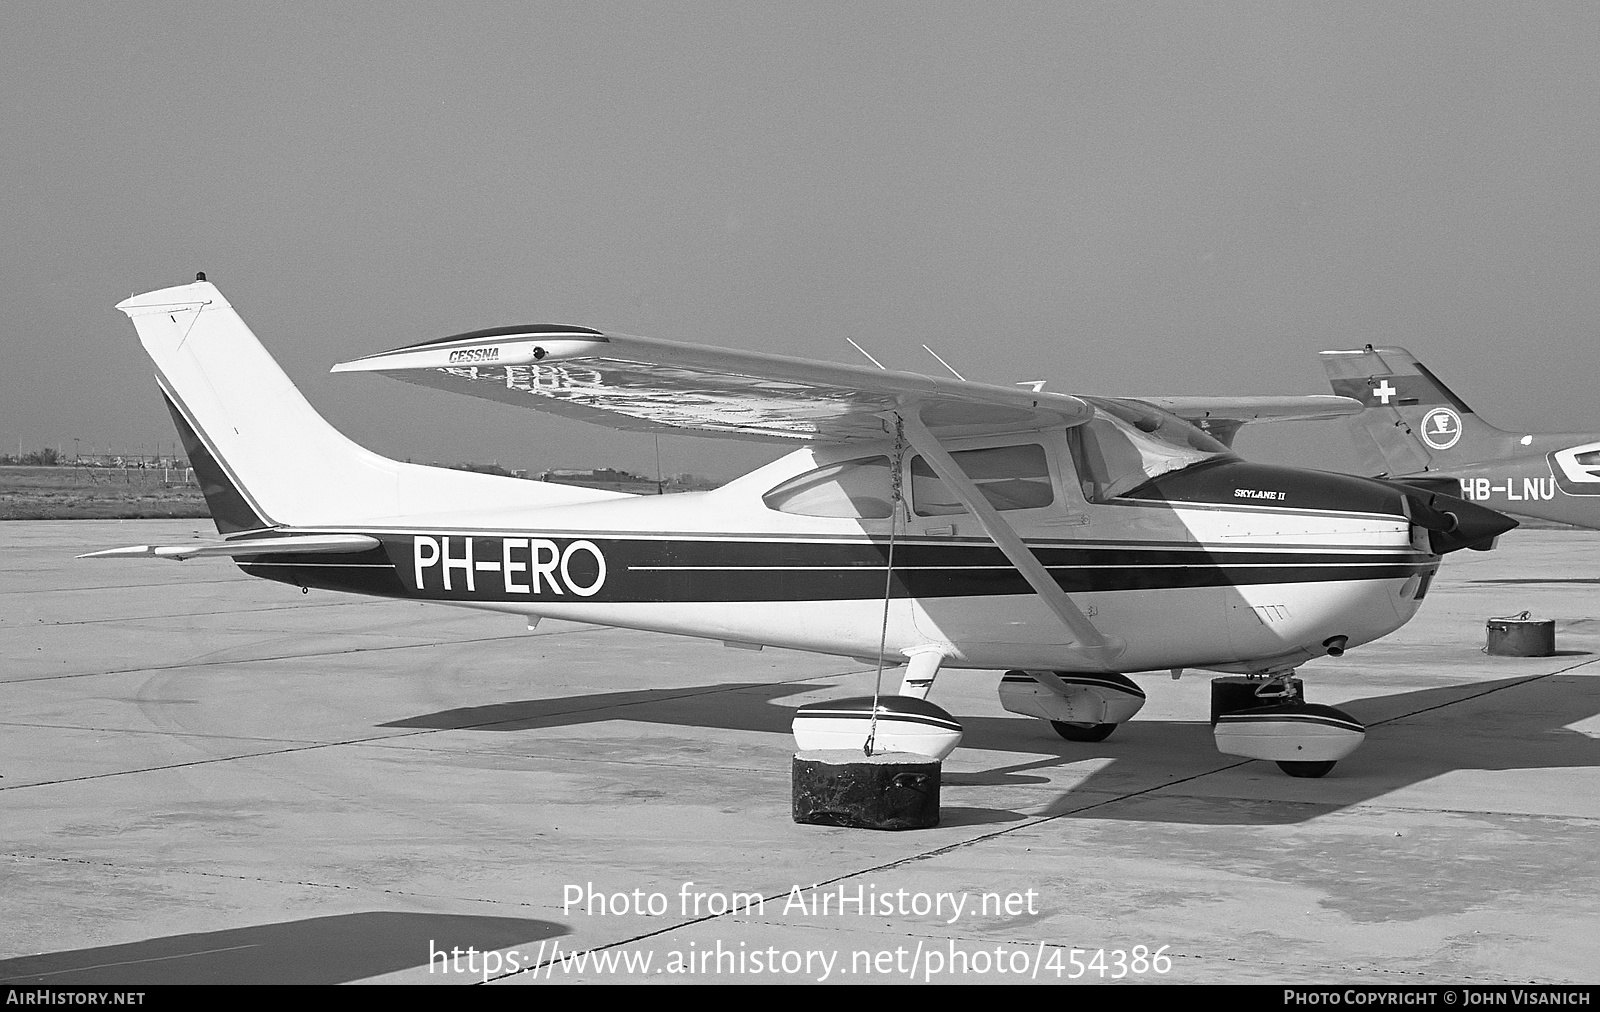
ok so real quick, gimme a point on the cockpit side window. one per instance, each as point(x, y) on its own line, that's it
point(854, 489)
point(1114, 455)
point(1010, 477)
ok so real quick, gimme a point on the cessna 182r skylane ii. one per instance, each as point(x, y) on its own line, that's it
point(1414, 430)
point(938, 522)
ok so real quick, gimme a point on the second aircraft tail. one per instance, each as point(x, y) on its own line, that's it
point(1412, 423)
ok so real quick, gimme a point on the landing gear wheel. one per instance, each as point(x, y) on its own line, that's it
point(1094, 732)
point(1304, 769)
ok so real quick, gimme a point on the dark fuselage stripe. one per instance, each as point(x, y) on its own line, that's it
point(947, 569)
point(644, 570)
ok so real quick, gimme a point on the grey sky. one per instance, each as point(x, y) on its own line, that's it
point(1160, 198)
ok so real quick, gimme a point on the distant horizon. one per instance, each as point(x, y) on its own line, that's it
point(71, 458)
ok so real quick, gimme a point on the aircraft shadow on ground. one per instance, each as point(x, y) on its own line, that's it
point(737, 706)
point(318, 950)
point(1412, 737)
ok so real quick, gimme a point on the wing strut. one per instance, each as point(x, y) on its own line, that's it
point(1096, 644)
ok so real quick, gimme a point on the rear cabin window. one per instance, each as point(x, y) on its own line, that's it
point(853, 489)
point(1010, 477)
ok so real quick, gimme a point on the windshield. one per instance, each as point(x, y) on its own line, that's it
point(1123, 447)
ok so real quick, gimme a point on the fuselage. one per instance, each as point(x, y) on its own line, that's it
point(1227, 565)
point(925, 521)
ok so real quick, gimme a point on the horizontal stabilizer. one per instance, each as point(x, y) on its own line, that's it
point(291, 544)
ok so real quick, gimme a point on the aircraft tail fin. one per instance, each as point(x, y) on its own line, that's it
point(263, 454)
point(1412, 422)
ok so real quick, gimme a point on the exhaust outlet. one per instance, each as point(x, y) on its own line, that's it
point(1335, 645)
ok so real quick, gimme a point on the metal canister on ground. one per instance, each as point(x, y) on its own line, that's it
point(1521, 636)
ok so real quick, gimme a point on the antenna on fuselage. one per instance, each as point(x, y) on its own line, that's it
point(944, 363)
point(865, 352)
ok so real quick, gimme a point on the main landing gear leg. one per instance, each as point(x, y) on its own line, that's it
point(1266, 716)
point(921, 670)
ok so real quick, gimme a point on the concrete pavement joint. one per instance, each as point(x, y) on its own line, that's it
point(203, 614)
point(164, 734)
point(124, 869)
point(104, 588)
point(1486, 692)
point(288, 657)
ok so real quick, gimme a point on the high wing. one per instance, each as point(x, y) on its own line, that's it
point(645, 384)
point(1222, 417)
point(648, 384)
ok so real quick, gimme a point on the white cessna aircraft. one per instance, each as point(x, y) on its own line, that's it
point(936, 522)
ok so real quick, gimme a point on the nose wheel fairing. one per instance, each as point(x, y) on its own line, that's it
point(1269, 719)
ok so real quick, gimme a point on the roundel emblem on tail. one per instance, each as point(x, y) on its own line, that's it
point(1441, 428)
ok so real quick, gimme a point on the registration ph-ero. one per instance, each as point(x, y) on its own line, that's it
point(1294, 996)
point(532, 566)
